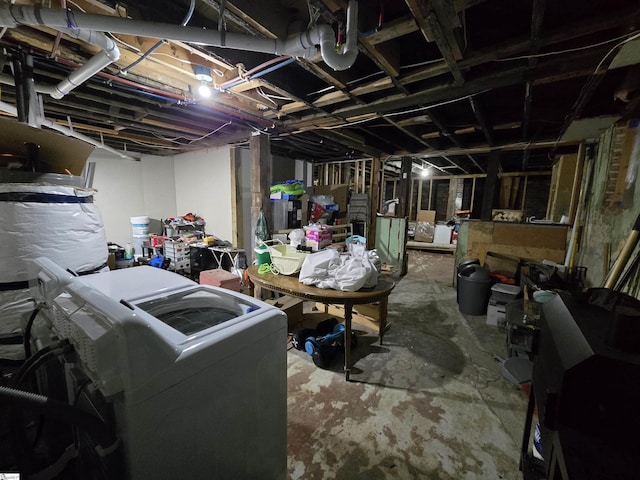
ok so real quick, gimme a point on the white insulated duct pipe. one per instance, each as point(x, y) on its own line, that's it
point(300, 45)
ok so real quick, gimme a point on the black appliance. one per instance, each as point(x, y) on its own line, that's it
point(201, 258)
point(586, 386)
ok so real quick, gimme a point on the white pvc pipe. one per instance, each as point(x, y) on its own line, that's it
point(323, 35)
point(109, 54)
point(300, 45)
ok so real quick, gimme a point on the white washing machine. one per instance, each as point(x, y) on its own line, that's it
point(194, 375)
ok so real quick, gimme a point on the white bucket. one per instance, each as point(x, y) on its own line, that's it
point(140, 225)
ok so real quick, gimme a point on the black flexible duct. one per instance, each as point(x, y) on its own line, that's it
point(27, 330)
point(34, 361)
point(59, 411)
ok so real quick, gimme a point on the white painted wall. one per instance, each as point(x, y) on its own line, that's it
point(162, 187)
point(203, 187)
point(129, 188)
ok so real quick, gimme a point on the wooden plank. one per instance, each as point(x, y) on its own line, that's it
point(420, 11)
point(505, 192)
point(515, 189)
point(387, 54)
point(530, 235)
point(449, 49)
point(394, 29)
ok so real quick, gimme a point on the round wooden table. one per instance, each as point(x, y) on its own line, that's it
point(289, 285)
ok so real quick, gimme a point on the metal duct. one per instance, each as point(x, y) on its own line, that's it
point(300, 45)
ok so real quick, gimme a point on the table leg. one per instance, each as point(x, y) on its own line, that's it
point(382, 317)
point(348, 308)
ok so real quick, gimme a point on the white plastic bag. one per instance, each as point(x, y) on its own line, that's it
point(329, 269)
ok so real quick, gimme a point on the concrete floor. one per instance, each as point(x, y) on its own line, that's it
point(429, 403)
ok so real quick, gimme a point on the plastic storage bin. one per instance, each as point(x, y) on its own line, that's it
point(501, 295)
point(473, 283)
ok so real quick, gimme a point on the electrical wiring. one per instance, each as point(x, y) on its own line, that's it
point(190, 140)
point(265, 96)
point(211, 133)
point(350, 124)
point(447, 102)
point(569, 50)
point(279, 97)
point(590, 82)
point(375, 74)
point(217, 72)
point(157, 45)
point(405, 112)
point(421, 64)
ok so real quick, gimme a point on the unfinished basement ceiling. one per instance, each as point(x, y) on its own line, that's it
point(445, 82)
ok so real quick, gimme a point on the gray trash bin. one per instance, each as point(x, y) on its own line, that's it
point(474, 286)
point(464, 263)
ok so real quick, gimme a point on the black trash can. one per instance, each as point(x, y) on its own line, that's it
point(461, 266)
point(474, 285)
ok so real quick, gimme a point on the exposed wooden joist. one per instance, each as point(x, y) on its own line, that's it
point(394, 29)
point(478, 111)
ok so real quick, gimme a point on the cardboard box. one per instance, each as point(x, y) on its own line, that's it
point(318, 238)
point(423, 232)
point(427, 216)
point(340, 194)
point(293, 307)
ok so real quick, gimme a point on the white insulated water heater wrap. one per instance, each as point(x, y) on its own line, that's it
point(42, 220)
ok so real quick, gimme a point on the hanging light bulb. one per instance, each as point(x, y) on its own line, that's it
point(204, 90)
point(424, 172)
point(203, 74)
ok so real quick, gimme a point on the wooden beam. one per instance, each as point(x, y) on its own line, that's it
point(420, 10)
point(402, 209)
point(490, 186)
point(478, 111)
point(442, 92)
point(260, 152)
point(445, 46)
point(237, 228)
point(396, 28)
point(387, 53)
point(375, 187)
point(537, 16)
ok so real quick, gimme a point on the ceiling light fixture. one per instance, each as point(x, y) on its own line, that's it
point(424, 172)
point(203, 74)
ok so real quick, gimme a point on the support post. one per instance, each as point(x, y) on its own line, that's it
point(490, 186)
point(260, 151)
